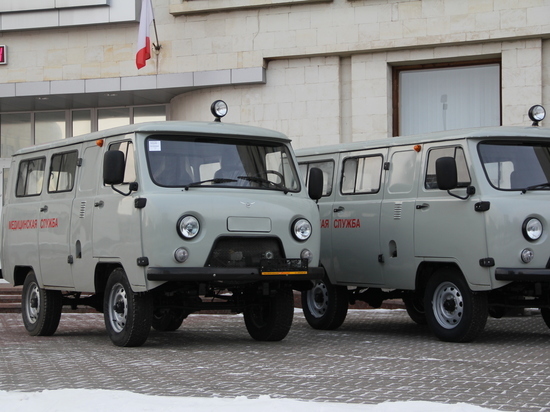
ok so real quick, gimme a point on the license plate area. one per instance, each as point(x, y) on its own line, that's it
point(283, 267)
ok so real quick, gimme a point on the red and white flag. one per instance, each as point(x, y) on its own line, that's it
point(144, 37)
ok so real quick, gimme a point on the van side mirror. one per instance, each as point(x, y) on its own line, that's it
point(113, 167)
point(447, 177)
point(446, 174)
point(315, 183)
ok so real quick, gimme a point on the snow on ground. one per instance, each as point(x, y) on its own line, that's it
point(86, 400)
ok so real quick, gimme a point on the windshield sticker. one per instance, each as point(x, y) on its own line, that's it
point(154, 145)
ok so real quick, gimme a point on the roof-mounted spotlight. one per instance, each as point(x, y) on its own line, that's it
point(537, 113)
point(218, 109)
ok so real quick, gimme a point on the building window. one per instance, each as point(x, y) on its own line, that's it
point(19, 130)
point(81, 122)
point(15, 132)
point(449, 96)
point(49, 126)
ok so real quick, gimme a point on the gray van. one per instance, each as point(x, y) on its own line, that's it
point(151, 222)
point(455, 223)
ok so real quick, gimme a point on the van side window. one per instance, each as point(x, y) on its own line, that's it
point(327, 167)
point(463, 174)
point(128, 149)
point(30, 177)
point(402, 171)
point(361, 175)
point(62, 172)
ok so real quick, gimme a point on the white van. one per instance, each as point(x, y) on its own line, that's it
point(151, 222)
point(456, 223)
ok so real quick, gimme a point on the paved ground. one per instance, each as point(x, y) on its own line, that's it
point(375, 356)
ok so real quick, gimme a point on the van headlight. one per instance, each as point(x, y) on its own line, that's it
point(301, 229)
point(188, 227)
point(532, 229)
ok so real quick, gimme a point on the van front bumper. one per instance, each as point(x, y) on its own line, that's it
point(205, 274)
point(522, 275)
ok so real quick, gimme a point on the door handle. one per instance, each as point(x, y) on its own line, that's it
point(44, 208)
point(339, 209)
point(423, 206)
point(99, 203)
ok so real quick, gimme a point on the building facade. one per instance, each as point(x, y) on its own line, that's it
point(320, 71)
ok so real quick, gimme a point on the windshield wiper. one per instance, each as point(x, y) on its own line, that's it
point(216, 180)
point(257, 179)
point(535, 187)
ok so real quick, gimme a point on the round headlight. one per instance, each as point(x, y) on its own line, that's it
point(532, 229)
point(219, 109)
point(301, 229)
point(188, 227)
point(537, 114)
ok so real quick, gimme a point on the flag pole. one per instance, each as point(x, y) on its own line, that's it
point(156, 46)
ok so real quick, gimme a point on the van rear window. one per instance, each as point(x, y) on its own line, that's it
point(30, 177)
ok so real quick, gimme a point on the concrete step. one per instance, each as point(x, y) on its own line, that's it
point(10, 298)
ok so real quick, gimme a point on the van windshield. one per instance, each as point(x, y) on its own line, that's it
point(516, 165)
point(184, 161)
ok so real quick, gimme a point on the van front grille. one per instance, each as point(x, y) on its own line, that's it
point(237, 252)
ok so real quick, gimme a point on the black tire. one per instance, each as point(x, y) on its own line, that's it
point(453, 312)
point(271, 318)
point(414, 305)
point(128, 315)
point(40, 308)
point(325, 306)
point(545, 312)
point(168, 320)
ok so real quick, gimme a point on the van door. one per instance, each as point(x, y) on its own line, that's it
point(116, 221)
point(327, 164)
point(82, 215)
point(397, 218)
point(20, 226)
point(355, 221)
point(55, 219)
point(448, 228)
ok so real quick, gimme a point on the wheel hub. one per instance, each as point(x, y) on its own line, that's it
point(317, 300)
point(448, 305)
point(118, 302)
point(119, 307)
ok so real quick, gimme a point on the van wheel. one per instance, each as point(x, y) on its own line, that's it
point(40, 308)
point(168, 320)
point(453, 312)
point(128, 315)
point(271, 318)
point(414, 305)
point(325, 306)
point(545, 312)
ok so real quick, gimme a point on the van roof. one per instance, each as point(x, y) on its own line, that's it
point(500, 132)
point(167, 127)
